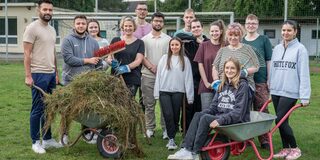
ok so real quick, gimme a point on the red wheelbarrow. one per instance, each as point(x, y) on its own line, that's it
point(234, 138)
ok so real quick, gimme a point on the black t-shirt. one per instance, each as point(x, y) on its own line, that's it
point(127, 56)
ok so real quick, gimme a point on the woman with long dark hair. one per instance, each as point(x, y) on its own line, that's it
point(94, 31)
point(289, 81)
point(173, 79)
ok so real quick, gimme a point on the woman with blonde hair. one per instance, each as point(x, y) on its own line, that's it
point(205, 56)
point(229, 106)
point(240, 51)
point(128, 61)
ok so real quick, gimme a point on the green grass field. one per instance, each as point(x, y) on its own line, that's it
point(15, 142)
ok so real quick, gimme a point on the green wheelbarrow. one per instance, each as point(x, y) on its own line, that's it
point(234, 138)
point(107, 142)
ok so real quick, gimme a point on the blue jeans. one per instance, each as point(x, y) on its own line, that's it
point(46, 81)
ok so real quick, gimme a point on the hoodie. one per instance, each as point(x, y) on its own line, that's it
point(74, 49)
point(231, 105)
point(289, 71)
point(191, 46)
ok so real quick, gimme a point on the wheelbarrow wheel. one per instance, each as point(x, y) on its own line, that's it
point(221, 153)
point(108, 144)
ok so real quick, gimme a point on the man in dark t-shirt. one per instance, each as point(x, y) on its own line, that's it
point(262, 46)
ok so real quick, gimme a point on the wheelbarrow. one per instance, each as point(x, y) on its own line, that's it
point(107, 142)
point(234, 138)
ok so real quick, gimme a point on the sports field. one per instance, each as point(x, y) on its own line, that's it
point(15, 142)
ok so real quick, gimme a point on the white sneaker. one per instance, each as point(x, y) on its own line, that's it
point(88, 135)
point(196, 156)
point(165, 135)
point(94, 139)
point(182, 154)
point(36, 147)
point(65, 140)
point(150, 133)
point(50, 143)
point(172, 145)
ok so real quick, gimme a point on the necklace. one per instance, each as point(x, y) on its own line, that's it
point(235, 47)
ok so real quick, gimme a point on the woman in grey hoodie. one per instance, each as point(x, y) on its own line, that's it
point(289, 81)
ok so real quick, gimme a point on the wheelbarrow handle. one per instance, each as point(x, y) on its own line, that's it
point(285, 117)
point(39, 89)
point(265, 105)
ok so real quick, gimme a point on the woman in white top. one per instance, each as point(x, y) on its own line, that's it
point(94, 30)
point(173, 79)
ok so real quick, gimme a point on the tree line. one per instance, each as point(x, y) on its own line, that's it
point(262, 8)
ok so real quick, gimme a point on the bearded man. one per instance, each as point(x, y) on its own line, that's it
point(40, 66)
point(156, 45)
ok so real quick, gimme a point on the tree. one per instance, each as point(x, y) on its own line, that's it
point(169, 5)
point(304, 8)
point(112, 5)
point(89, 5)
point(218, 5)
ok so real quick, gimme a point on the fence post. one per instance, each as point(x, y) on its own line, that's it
point(317, 41)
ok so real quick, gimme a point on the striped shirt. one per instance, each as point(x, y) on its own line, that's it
point(245, 55)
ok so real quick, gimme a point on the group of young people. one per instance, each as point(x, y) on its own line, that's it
point(240, 71)
point(216, 80)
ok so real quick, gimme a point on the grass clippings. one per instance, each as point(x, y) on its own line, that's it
point(105, 96)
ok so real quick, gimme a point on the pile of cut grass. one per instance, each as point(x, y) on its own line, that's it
point(104, 95)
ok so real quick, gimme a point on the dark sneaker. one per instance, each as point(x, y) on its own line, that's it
point(265, 146)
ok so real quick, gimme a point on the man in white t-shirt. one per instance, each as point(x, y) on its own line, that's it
point(156, 45)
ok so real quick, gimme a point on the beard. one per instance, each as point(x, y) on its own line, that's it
point(157, 28)
point(80, 33)
point(46, 17)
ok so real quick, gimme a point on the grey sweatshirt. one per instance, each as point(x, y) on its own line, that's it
point(289, 71)
point(74, 49)
point(174, 80)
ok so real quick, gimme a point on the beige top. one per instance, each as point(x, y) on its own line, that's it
point(155, 48)
point(43, 38)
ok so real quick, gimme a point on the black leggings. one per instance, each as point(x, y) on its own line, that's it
point(282, 105)
point(170, 104)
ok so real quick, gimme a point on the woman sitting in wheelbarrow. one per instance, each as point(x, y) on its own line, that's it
point(229, 106)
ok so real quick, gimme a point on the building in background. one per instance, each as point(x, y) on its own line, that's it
point(21, 14)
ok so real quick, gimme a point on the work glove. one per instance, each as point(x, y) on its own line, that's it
point(122, 69)
point(102, 65)
point(115, 64)
point(215, 84)
point(244, 73)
